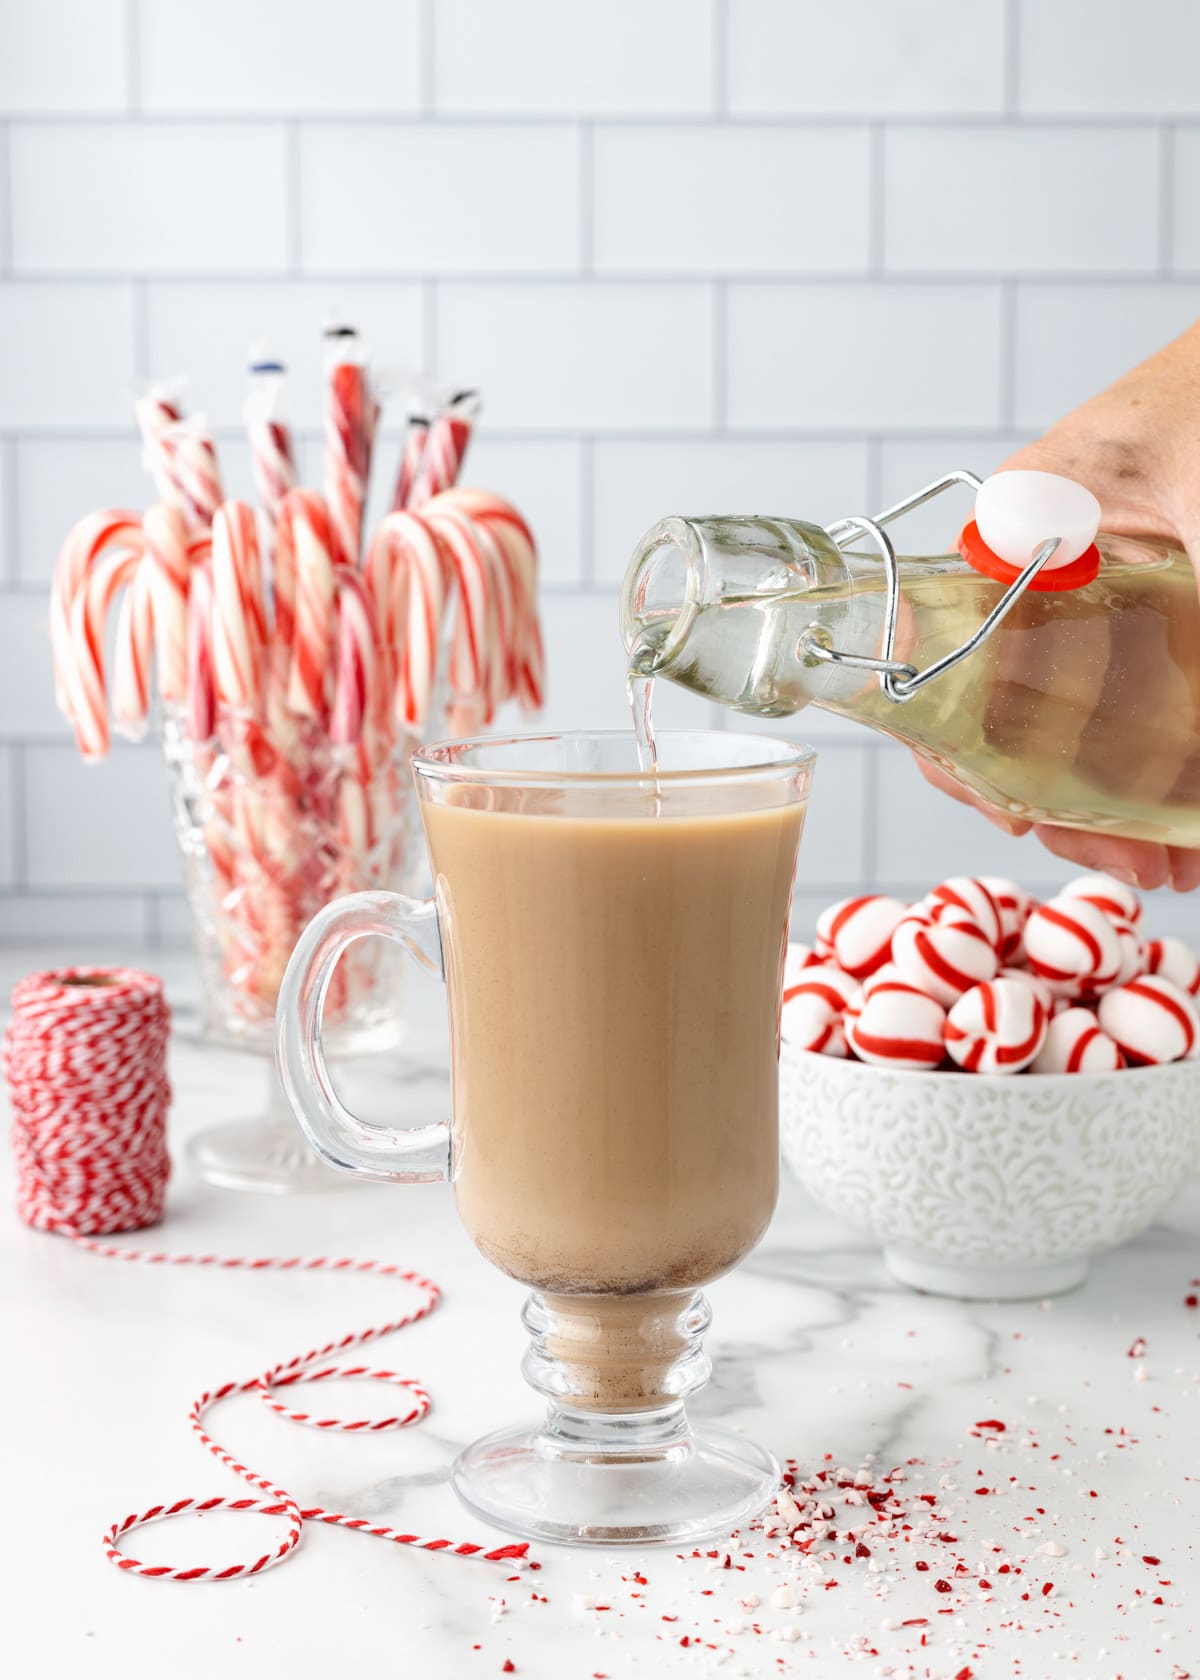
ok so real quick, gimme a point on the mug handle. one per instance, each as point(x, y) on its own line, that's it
point(405, 1155)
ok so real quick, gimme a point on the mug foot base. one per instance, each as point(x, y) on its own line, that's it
point(700, 1485)
point(987, 1282)
point(257, 1154)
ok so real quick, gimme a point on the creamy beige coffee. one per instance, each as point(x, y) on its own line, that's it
point(615, 983)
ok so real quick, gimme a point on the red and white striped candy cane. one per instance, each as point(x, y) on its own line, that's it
point(516, 541)
point(85, 677)
point(272, 457)
point(355, 663)
point(311, 562)
point(445, 447)
point(201, 679)
point(133, 656)
point(415, 435)
point(239, 617)
point(408, 569)
point(112, 530)
point(349, 425)
point(469, 648)
point(197, 475)
point(157, 409)
point(168, 565)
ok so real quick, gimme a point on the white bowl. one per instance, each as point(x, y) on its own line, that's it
point(987, 1186)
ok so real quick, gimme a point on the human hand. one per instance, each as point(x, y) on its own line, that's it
point(1134, 447)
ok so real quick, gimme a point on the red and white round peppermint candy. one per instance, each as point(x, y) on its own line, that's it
point(796, 959)
point(856, 933)
point(1073, 945)
point(1132, 951)
point(1014, 905)
point(997, 1027)
point(813, 1007)
point(1119, 902)
point(945, 958)
point(1027, 977)
point(1075, 1042)
point(973, 897)
point(1152, 1020)
point(898, 1027)
point(1174, 961)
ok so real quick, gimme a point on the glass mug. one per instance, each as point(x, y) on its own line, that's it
point(612, 943)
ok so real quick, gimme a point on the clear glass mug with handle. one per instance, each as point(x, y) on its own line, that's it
point(612, 943)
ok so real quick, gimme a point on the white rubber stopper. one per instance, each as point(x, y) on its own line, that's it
point(1018, 511)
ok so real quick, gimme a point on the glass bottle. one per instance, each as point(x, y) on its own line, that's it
point(1057, 678)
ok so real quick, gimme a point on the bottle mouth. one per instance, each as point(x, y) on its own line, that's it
point(661, 594)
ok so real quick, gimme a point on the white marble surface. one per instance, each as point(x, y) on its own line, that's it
point(816, 1353)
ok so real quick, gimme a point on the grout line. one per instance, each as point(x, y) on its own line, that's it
point(720, 352)
point(587, 513)
point(652, 280)
point(1008, 354)
point(292, 198)
point(876, 199)
point(20, 844)
point(587, 200)
point(427, 76)
point(133, 56)
point(360, 117)
point(1012, 57)
point(1166, 199)
point(720, 66)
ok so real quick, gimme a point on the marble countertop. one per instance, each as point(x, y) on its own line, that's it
point(1080, 1514)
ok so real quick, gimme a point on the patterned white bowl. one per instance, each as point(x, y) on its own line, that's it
point(986, 1186)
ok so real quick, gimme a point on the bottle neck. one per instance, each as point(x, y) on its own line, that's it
point(731, 608)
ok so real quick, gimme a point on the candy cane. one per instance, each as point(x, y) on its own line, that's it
point(354, 674)
point(445, 447)
point(408, 568)
point(85, 664)
point(94, 535)
point(271, 455)
point(516, 542)
point(197, 474)
point(415, 436)
point(133, 654)
point(349, 425)
point(158, 408)
point(201, 683)
point(168, 567)
point(311, 563)
point(472, 575)
point(239, 619)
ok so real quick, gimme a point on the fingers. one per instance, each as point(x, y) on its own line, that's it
point(1139, 863)
point(946, 784)
point(1185, 868)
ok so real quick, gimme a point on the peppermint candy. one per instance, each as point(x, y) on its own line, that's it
point(945, 958)
point(813, 1008)
point(1175, 961)
point(1075, 1042)
point(1119, 902)
point(997, 1027)
point(856, 933)
point(1073, 945)
point(796, 959)
point(974, 899)
point(899, 1027)
point(1014, 905)
point(1152, 1021)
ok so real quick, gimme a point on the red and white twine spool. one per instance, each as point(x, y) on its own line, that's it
point(85, 1058)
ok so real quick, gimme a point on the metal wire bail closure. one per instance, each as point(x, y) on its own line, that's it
point(899, 681)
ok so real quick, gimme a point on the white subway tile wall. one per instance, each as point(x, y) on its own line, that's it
point(747, 255)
